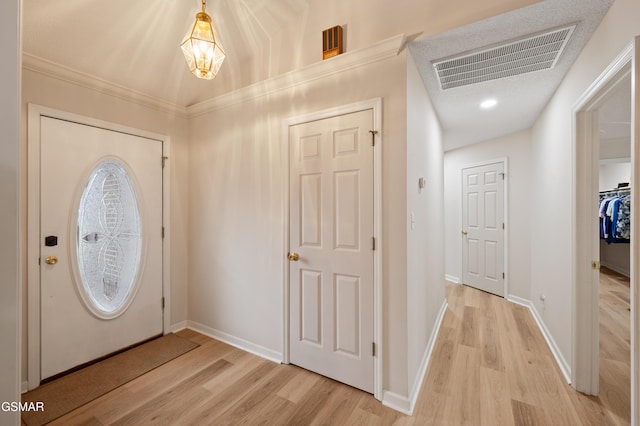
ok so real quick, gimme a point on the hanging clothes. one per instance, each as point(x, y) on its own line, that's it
point(615, 216)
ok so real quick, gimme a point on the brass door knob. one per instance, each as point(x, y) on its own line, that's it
point(51, 260)
point(464, 232)
point(294, 256)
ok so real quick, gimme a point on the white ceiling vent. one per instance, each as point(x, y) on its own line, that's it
point(533, 53)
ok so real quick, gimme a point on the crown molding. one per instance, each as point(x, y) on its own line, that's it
point(60, 72)
point(379, 51)
point(382, 50)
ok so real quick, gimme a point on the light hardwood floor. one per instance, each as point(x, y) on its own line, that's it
point(490, 366)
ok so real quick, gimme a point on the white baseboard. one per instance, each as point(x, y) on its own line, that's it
point(174, 328)
point(555, 350)
point(404, 404)
point(422, 372)
point(25, 387)
point(239, 343)
point(452, 279)
point(397, 402)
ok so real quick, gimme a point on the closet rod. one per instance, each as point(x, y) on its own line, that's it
point(623, 189)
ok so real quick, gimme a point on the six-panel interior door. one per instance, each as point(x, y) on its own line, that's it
point(483, 227)
point(331, 229)
point(101, 243)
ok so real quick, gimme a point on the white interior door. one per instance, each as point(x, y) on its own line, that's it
point(101, 242)
point(483, 227)
point(331, 232)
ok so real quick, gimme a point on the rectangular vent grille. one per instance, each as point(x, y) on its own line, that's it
point(534, 53)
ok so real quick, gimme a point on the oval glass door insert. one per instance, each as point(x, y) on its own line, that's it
point(109, 239)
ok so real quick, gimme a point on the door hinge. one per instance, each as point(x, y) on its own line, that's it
point(373, 348)
point(162, 232)
point(163, 303)
point(164, 161)
point(502, 175)
point(373, 243)
point(503, 275)
point(503, 226)
point(373, 137)
point(595, 264)
point(39, 260)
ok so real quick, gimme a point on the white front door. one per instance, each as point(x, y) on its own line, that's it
point(331, 232)
point(101, 242)
point(483, 227)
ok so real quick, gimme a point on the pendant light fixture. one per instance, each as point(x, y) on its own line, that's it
point(201, 47)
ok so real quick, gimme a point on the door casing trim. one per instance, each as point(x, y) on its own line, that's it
point(375, 105)
point(585, 297)
point(33, 223)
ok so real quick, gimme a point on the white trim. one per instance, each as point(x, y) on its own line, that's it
point(377, 52)
point(182, 325)
point(166, 241)
point(397, 402)
point(261, 351)
point(452, 279)
point(635, 237)
point(24, 387)
point(584, 242)
point(33, 224)
point(564, 366)
point(60, 72)
point(376, 106)
point(505, 217)
point(422, 372)
point(347, 61)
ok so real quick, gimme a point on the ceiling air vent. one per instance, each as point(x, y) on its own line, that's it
point(533, 53)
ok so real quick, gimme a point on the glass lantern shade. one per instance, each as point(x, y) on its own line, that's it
point(202, 48)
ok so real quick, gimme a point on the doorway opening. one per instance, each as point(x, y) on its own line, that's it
point(595, 160)
point(614, 232)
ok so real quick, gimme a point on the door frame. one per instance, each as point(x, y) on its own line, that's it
point(505, 217)
point(376, 106)
point(33, 223)
point(585, 244)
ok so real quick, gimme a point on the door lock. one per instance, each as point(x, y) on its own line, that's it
point(51, 260)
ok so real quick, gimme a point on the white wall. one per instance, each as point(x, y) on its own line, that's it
point(552, 173)
point(613, 173)
point(9, 208)
point(425, 239)
point(56, 93)
point(292, 36)
point(517, 148)
point(237, 179)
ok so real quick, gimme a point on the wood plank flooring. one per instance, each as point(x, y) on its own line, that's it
point(490, 366)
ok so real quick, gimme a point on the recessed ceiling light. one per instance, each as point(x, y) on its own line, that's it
point(489, 103)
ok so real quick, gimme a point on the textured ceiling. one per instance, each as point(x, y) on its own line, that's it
point(520, 98)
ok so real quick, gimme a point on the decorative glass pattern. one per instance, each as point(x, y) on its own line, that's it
point(109, 237)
